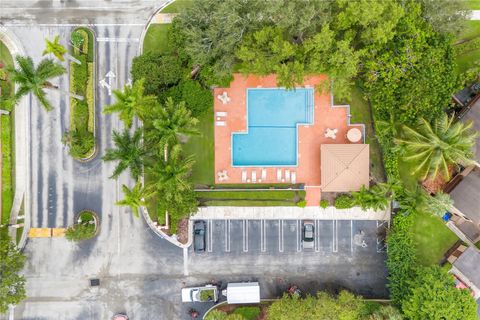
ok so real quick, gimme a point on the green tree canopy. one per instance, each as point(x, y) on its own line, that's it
point(433, 296)
point(434, 147)
point(129, 153)
point(12, 285)
point(134, 198)
point(131, 102)
point(29, 78)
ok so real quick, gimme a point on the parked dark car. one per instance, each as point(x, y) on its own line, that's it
point(308, 235)
point(199, 228)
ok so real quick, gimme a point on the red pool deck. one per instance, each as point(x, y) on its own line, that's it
point(310, 137)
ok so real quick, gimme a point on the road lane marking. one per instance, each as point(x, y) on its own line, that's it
point(245, 235)
point(227, 235)
point(335, 236)
point(299, 242)
point(263, 236)
point(74, 24)
point(210, 235)
point(280, 235)
point(185, 261)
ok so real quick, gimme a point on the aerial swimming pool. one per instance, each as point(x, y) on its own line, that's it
point(272, 119)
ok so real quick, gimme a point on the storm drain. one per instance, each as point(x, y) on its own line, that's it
point(94, 282)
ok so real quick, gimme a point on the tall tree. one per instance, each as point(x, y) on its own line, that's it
point(171, 176)
point(35, 80)
point(129, 153)
point(172, 121)
point(433, 295)
point(60, 52)
point(433, 148)
point(131, 102)
point(376, 198)
point(12, 285)
point(134, 198)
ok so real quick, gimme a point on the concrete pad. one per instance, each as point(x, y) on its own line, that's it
point(39, 233)
point(58, 232)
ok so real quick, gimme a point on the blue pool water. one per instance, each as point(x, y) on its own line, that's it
point(273, 115)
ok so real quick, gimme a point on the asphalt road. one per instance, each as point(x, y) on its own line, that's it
point(139, 273)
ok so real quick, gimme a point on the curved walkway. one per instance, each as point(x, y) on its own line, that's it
point(21, 149)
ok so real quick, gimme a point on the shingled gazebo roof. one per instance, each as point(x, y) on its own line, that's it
point(344, 167)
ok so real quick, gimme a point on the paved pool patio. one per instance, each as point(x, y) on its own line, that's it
point(310, 136)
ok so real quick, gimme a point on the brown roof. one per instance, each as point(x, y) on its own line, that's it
point(344, 167)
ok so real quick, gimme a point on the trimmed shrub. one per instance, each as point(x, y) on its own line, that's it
point(90, 99)
point(77, 40)
point(302, 203)
point(344, 201)
point(196, 98)
point(248, 313)
point(162, 71)
point(324, 203)
point(84, 229)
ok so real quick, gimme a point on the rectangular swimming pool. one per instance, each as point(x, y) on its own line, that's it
point(272, 119)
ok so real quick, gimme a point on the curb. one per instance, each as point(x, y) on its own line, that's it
point(149, 22)
point(165, 236)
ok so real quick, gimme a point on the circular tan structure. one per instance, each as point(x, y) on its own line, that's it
point(354, 135)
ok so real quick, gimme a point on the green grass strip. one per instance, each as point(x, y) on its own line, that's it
point(262, 195)
point(250, 203)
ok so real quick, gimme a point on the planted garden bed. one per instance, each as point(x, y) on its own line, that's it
point(81, 136)
point(86, 227)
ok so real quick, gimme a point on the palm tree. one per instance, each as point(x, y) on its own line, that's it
point(35, 80)
point(438, 204)
point(58, 50)
point(171, 176)
point(129, 153)
point(435, 147)
point(172, 121)
point(131, 102)
point(134, 198)
point(377, 197)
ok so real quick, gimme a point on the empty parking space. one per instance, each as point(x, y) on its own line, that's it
point(274, 237)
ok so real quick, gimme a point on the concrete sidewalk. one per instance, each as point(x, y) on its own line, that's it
point(285, 213)
point(475, 15)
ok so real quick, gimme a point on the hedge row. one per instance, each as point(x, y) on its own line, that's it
point(81, 138)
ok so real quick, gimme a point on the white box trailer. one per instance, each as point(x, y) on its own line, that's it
point(208, 293)
point(242, 293)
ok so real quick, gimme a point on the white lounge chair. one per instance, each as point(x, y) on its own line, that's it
point(220, 123)
point(279, 175)
point(294, 177)
point(221, 114)
point(244, 176)
point(254, 176)
point(224, 97)
point(264, 174)
point(287, 175)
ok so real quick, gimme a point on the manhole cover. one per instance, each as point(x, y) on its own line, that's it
point(94, 282)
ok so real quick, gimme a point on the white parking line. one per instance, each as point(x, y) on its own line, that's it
point(299, 235)
point(245, 235)
point(263, 236)
point(280, 235)
point(227, 235)
point(335, 236)
point(317, 236)
point(351, 235)
point(210, 235)
point(100, 39)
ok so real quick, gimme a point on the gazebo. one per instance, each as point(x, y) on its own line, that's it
point(344, 167)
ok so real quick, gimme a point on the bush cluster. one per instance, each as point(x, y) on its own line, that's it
point(344, 201)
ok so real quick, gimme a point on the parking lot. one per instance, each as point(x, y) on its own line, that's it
point(265, 237)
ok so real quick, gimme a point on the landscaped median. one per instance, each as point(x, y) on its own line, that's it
point(81, 136)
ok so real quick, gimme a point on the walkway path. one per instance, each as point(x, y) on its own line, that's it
point(280, 213)
point(475, 15)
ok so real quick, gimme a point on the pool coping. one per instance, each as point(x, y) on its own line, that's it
point(312, 105)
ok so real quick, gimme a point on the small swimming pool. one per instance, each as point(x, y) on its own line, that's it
point(272, 119)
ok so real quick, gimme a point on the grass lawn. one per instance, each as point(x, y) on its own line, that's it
point(202, 148)
point(177, 6)
point(468, 59)
point(8, 146)
point(360, 111)
point(432, 239)
point(473, 4)
point(156, 38)
point(250, 198)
